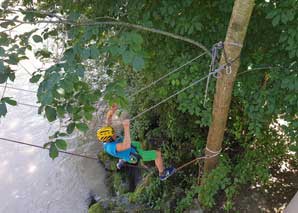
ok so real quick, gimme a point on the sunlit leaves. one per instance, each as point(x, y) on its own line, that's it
point(129, 48)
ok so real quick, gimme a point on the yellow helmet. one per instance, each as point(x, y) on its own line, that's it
point(105, 133)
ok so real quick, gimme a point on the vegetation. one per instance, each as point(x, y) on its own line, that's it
point(102, 59)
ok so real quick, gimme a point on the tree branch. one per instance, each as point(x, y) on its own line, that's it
point(118, 23)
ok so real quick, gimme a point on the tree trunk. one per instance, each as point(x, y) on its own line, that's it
point(233, 44)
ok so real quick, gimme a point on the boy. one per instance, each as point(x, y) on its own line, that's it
point(127, 150)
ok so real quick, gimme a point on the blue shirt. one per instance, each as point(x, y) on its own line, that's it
point(110, 148)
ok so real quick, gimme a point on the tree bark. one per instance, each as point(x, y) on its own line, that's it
point(233, 44)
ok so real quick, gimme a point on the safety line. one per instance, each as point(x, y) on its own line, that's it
point(4, 90)
point(19, 89)
point(29, 105)
point(197, 159)
point(166, 75)
point(164, 100)
point(41, 147)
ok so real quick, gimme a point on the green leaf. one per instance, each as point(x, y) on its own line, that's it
point(138, 63)
point(2, 67)
point(62, 134)
point(4, 41)
point(50, 113)
point(45, 98)
point(136, 38)
point(35, 78)
point(88, 116)
point(9, 101)
point(11, 76)
point(2, 51)
point(37, 38)
point(94, 52)
point(43, 53)
point(82, 127)
point(3, 109)
point(3, 78)
point(127, 57)
point(80, 70)
point(13, 59)
point(60, 111)
point(271, 14)
point(53, 151)
point(293, 148)
point(70, 128)
point(276, 20)
point(61, 144)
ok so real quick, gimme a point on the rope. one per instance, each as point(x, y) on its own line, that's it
point(166, 75)
point(4, 90)
point(29, 105)
point(213, 152)
point(197, 159)
point(19, 89)
point(182, 90)
point(41, 147)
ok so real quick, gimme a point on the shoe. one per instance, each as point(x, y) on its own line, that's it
point(167, 173)
point(120, 164)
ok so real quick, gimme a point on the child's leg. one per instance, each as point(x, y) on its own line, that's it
point(159, 162)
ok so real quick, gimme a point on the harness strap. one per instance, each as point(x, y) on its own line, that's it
point(134, 157)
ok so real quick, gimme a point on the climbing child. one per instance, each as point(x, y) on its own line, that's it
point(127, 150)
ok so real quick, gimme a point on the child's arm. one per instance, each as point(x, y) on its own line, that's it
point(126, 144)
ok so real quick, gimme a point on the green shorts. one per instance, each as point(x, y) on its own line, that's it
point(148, 155)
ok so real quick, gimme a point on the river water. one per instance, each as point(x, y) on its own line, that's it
point(30, 181)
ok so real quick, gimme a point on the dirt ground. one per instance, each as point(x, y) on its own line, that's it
point(273, 197)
